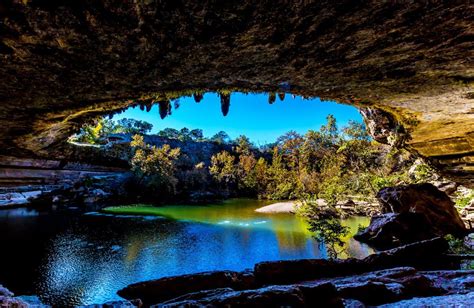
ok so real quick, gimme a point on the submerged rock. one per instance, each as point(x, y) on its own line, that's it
point(412, 213)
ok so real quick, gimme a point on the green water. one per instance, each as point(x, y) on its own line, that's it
point(70, 260)
point(291, 231)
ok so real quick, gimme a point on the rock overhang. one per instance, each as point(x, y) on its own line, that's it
point(64, 62)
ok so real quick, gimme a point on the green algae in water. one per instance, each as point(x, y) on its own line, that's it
point(240, 213)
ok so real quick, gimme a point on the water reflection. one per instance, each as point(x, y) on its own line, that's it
point(70, 260)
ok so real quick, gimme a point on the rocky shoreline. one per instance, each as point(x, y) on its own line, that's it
point(410, 272)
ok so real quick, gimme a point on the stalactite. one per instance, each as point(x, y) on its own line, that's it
point(225, 103)
point(169, 108)
point(164, 108)
point(148, 107)
point(281, 96)
point(198, 97)
point(142, 107)
point(271, 97)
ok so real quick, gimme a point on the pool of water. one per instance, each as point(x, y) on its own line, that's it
point(70, 259)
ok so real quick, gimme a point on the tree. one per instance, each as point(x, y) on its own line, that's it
point(330, 131)
point(169, 133)
point(222, 168)
point(247, 174)
point(184, 135)
point(95, 133)
point(156, 164)
point(196, 134)
point(329, 231)
point(261, 176)
point(290, 145)
point(312, 150)
point(132, 126)
point(221, 138)
point(243, 145)
point(356, 130)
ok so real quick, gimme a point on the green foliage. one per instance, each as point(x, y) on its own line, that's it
point(243, 145)
point(330, 163)
point(156, 164)
point(325, 224)
point(456, 245)
point(423, 173)
point(196, 135)
point(222, 168)
point(463, 201)
point(97, 132)
point(169, 133)
point(356, 130)
point(324, 164)
point(330, 232)
point(132, 126)
point(220, 138)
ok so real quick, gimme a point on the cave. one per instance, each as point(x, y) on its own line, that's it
point(407, 67)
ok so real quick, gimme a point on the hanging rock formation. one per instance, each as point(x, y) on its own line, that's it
point(64, 62)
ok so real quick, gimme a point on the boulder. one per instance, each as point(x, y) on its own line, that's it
point(369, 292)
point(323, 295)
point(412, 213)
point(426, 199)
point(368, 289)
point(426, 254)
point(159, 290)
point(391, 230)
point(291, 271)
point(423, 254)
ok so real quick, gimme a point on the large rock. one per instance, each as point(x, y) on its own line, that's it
point(424, 254)
point(322, 295)
point(425, 199)
point(391, 230)
point(372, 288)
point(159, 290)
point(374, 280)
point(412, 213)
point(65, 62)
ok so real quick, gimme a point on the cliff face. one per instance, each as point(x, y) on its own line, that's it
point(63, 62)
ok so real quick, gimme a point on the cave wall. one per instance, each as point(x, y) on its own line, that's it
point(63, 62)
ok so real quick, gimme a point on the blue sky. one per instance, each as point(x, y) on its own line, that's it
point(250, 115)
